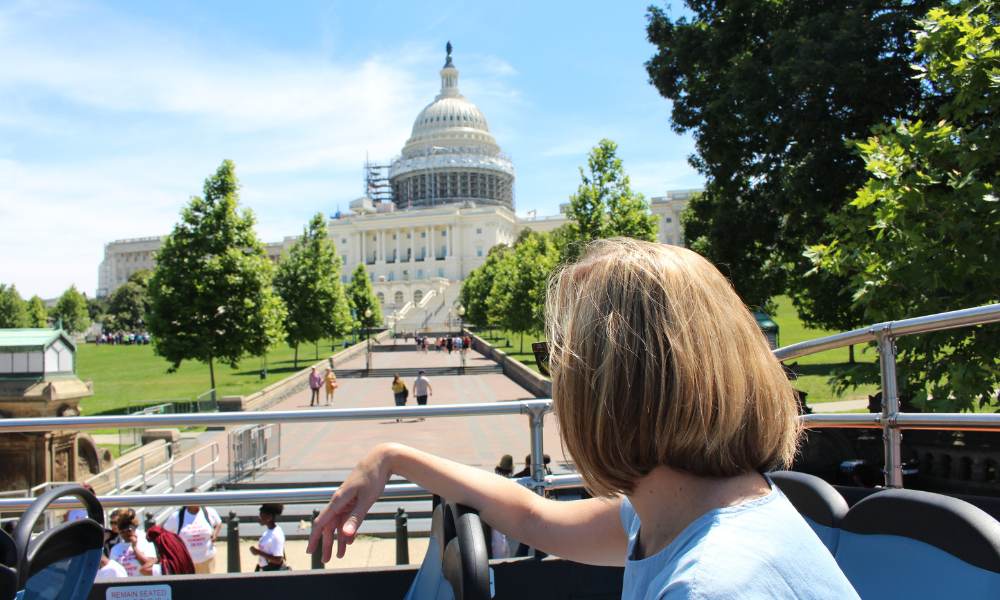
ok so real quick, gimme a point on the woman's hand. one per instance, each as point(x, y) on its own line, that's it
point(254, 550)
point(349, 505)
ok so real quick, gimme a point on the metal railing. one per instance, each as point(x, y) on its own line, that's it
point(253, 448)
point(891, 420)
point(534, 409)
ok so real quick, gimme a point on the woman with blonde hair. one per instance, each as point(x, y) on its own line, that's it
point(673, 408)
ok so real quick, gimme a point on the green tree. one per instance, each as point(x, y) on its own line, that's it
point(308, 280)
point(604, 205)
point(517, 298)
point(13, 309)
point(361, 297)
point(38, 315)
point(211, 296)
point(772, 92)
point(128, 306)
point(71, 309)
point(923, 233)
point(476, 288)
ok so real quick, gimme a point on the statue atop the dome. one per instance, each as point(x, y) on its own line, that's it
point(447, 61)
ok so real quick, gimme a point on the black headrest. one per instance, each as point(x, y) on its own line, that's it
point(812, 497)
point(950, 524)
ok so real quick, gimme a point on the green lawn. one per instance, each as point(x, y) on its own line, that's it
point(510, 343)
point(132, 376)
point(814, 371)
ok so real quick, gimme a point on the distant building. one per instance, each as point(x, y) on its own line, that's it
point(428, 218)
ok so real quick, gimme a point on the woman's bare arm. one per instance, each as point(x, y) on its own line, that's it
point(587, 531)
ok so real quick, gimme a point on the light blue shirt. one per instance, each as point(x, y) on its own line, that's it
point(757, 549)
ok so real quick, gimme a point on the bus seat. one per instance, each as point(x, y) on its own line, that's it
point(8, 567)
point(456, 565)
point(911, 544)
point(817, 501)
point(60, 563)
point(466, 562)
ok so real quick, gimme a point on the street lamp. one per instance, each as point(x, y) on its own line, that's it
point(368, 343)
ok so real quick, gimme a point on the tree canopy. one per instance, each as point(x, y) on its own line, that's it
point(71, 309)
point(922, 235)
point(308, 281)
point(476, 288)
point(361, 296)
point(129, 303)
point(517, 297)
point(13, 308)
point(772, 92)
point(604, 204)
point(211, 296)
point(38, 315)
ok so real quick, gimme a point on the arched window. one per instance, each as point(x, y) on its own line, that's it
point(418, 296)
point(399, 297)
point(381, 298)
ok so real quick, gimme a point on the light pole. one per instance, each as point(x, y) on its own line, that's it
point(368, 343)
point(461, 353)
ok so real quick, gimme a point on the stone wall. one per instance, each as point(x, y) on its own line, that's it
point(530, 380)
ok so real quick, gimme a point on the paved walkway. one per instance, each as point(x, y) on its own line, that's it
point(319, 451)
point(839, 406)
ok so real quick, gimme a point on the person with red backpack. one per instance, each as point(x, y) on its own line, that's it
point(174, 558)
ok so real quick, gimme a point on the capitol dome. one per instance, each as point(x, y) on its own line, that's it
point(451, 155)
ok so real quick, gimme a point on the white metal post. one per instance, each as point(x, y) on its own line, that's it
point(891, 435)
point(536, 416)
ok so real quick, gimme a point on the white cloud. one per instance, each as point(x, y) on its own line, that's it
point(152, 112)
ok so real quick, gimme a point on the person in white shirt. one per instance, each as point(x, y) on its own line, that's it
point(198, 527)
point(422, 388)
point(270, 550)
point(110, 569)
point(135, 553)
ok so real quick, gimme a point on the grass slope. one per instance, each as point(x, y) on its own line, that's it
point(132, 376)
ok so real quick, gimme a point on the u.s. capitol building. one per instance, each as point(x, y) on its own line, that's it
point(428, 219)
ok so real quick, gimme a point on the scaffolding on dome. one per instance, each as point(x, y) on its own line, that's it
point(377, 186)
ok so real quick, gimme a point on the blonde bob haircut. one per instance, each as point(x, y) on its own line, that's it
point(656, 361)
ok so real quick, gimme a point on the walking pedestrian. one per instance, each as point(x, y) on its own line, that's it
point(330, 379)
point(315, 382)
point(399, 391)
point(422, 389)
point(450, 344)
point(270, 550)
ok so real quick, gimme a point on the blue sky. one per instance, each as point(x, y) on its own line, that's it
point(112, 114)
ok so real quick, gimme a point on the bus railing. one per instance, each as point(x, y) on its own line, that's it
point(890, 420)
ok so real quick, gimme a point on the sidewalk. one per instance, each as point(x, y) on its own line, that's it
point(364, 552)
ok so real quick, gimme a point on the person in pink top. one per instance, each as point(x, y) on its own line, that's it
point(315, 382)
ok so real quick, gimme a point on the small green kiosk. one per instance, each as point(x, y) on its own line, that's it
point(38, 379)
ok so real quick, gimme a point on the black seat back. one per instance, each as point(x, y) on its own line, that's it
point(466, 563)
point(60, 563)
point(8, 567)
point(934, 546)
